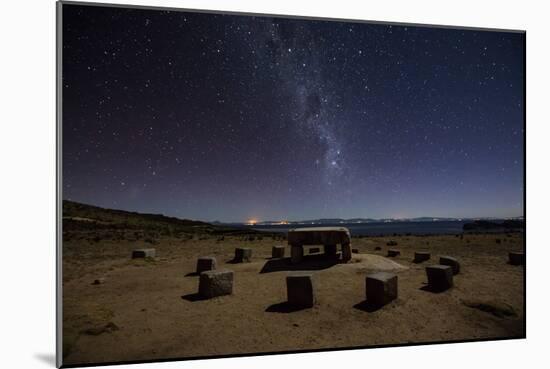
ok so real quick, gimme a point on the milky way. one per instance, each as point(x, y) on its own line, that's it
point(226, 117)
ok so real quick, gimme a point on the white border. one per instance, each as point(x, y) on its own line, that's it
point(28, 186)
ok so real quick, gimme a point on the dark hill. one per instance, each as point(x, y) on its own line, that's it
point(80, 217)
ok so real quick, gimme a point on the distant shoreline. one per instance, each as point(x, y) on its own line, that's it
point(418, 228)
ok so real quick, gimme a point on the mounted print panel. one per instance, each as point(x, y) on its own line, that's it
point(239, 184)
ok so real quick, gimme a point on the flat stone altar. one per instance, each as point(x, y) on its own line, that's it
point(329, 237)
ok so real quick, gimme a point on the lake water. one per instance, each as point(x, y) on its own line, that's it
point(375, 229)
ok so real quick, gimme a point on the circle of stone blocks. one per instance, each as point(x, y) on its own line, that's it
point(314, 250)
point(381, 288)
point(143, 253)
point(206, 263)
point(243, 255)
point(300, 288)
point(440, 277)
point(450, 261)
point(516, 258)
point(213, 283)
point(421, 256)
point(393, 252)
point(278, 252)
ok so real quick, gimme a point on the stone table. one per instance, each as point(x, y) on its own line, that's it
point(329, 237)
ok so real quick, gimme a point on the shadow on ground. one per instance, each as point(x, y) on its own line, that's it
point(367, 306)
point(309, 262)
point(431, 289)
point(193, 297)
point(284, 307)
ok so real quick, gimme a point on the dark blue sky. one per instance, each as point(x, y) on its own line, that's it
point(224, 117)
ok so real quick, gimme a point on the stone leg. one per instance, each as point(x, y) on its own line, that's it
point(346, 252)
point(296, 253)
point(278, 252)
point(330, 250)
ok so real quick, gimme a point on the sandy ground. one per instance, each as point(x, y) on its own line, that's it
point(148, 309)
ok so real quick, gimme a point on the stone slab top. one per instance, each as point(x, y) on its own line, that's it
point(217, 272)
point(319, 236)
point(381, 276)
point(438, 266)
point(300, 274)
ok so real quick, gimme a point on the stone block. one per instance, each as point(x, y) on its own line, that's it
point(393, 253)
point(440, 277)
point(213, 283)
point(450, 261)
point(205, 263)
point(300, 287)
point(243, 255)
point(314, 250)
point(381, 288)
point(421, 256)
point(516, 258)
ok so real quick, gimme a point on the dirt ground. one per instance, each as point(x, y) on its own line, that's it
point(147, 309)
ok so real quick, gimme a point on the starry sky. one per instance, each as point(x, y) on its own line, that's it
point(233, 117)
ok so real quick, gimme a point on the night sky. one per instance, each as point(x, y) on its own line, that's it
point(225, 117)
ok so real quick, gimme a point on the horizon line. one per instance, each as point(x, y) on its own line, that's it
point(257, 221)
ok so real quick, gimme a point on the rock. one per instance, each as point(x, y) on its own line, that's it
point(377, 248)
point(243, 255)
point(450, 261)
point(278, 252)
point(440, 277)
point(516, 258)
point(391, 243)
point(381, 288)
point(421, 256)
point(355, 251)
point(205, 263)
point(143, 253)
point(98, 281)
point(314, 250)
point(393, 253)
point(213, 283)
point(296, 253)
point(300, 287)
